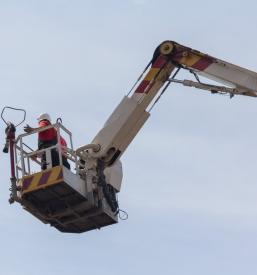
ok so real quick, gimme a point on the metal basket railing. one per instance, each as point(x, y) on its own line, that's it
point(27, 158)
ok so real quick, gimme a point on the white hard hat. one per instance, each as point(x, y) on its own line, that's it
point(44, 116)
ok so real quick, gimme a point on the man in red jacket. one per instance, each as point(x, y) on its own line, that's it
point(46, 139)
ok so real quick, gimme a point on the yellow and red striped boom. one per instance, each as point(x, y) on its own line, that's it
point(242, 80)
point(131, 114)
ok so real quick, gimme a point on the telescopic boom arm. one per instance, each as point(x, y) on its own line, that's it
point(133, 111)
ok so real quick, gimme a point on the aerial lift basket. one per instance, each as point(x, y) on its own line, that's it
point(59, 196)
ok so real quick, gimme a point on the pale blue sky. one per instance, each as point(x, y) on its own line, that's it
point(190, 177)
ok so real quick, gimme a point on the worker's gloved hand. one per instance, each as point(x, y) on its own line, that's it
point(28, 129)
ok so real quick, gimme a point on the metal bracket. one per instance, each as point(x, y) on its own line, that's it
point(208, 87)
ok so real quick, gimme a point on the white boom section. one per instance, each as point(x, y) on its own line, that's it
point(243, 80)
point(131, 114)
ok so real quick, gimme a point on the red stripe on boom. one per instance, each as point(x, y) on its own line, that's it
point(203, 63)
point(142, 86)
point(159, 62)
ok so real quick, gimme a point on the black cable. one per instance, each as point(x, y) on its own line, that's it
point(108, 189)
point(165, 88)
point(15, 109)
point(141, 75)
point(123, 216)
point(196, 76)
